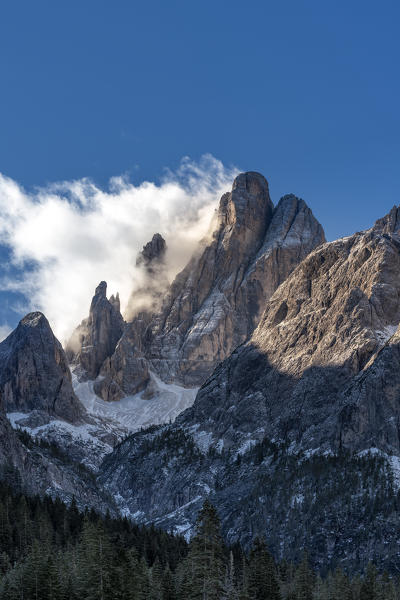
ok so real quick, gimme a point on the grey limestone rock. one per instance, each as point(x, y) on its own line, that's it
point(34, 373)
point(95, 339)
point(215, 303)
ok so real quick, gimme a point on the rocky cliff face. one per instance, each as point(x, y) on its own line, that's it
point(38, 469)
point(325, 325)
point(215, 303)
point(96, 337)
point(152, 254)
point(34, 373)
point(126, 371)
point(35, 379)
point(296, 409)
point(11, 451)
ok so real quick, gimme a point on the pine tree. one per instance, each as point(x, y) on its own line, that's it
point(5, 563)
point(156, 575)
point(263, 583)
point(168, 585)
point(35, 574)
point(341, 586)
point(322, 588)
point(243, 592)
point(386, 588)
point(135, 577)
point(368, 586)
point(94, 563)
point(230, 591)
point(143, 580)
point(205, 564)
point(304, 580)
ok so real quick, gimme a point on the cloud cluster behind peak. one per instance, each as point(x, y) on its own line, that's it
point(62, 239)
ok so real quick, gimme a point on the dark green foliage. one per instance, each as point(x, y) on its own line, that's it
point(52, 552)
point(204, 567)
point(49, 551)
point(262, 579)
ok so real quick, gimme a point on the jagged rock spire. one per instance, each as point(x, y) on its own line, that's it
point(215, 303)
point(153, 251)
point(95, 339)
point(147, 297)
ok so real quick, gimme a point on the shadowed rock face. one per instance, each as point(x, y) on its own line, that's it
point(96, 337)
point(37, 471)
point(215, 303)
point(34, 373)
point(11, 451)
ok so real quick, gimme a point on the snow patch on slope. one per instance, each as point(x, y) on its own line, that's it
point(87, 442)
point(107, 422)
point(393, 461)
point(136, 412)
point(386, 333)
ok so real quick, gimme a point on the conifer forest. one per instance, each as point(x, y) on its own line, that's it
point(50, 551)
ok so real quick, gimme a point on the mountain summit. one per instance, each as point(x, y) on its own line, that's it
point(34, 372)
point(215, 303)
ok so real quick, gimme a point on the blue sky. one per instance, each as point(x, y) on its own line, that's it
point(306, 92)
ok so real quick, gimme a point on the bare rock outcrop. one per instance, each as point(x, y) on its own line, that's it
point(215, 303)
point(34, 373)
point(321, 334)
point(152, 253)
point(95, 339)
point(126, 371)
point(148, 295)
point(390, 223)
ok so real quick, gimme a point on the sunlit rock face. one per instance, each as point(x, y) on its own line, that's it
point(215, 303)
point(316, 371)
point(34, 372)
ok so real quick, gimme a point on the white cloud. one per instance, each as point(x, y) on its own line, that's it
point(67, 237)
point(5, 330)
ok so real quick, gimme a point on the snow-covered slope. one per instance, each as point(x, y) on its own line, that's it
point(109, 422)
point(137, 412)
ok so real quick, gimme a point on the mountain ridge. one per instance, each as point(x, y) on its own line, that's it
point(301, 394)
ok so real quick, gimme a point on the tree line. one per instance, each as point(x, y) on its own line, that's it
point(50, 551)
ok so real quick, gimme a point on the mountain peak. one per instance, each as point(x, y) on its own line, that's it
point(153, 251)
point(252, 182)
point(216, 301)
point(247, 206)
point(390, 223)
point(101, 289)
point(96, 337)
point(34, 373)
point(34, 319)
